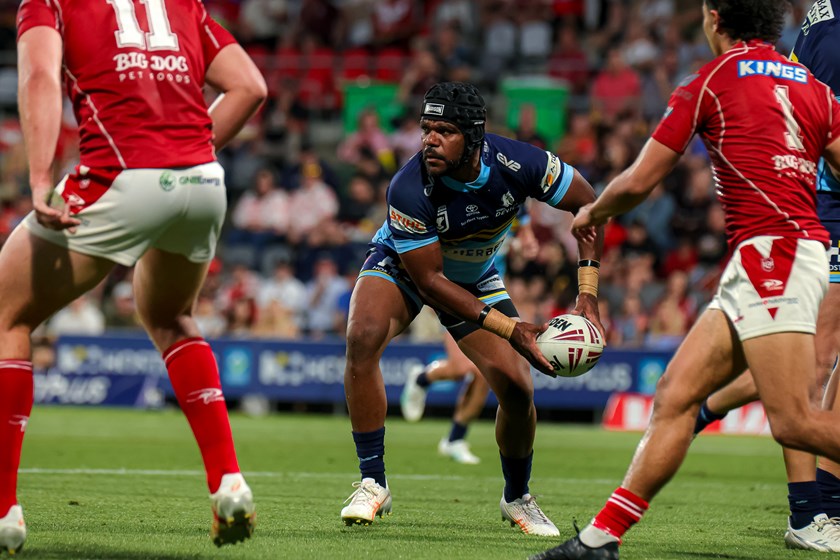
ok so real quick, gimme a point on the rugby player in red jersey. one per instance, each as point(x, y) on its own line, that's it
point(148, 191)
point(765, 122)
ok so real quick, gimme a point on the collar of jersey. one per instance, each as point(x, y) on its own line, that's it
point(483, 176)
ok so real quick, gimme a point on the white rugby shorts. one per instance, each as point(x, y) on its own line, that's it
point(773, 285)
point(126, 212)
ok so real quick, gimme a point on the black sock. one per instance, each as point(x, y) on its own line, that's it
point(830, 490)
point(805, 503)
point(370, 448)
point(423, 380)
point(517, 474)
point(706, 417)
point(458, 431)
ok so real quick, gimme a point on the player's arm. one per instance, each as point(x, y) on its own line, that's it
point(590, 245)
point(243, 91)
point(630, 188)
point(425, 266)
point(40, 53)
point(832, 154)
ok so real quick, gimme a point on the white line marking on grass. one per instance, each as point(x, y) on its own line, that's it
point(292, 474)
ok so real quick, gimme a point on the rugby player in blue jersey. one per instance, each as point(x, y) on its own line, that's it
point(814, 499)
point(450, 208)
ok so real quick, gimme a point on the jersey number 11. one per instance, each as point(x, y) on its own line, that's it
point(160, 36)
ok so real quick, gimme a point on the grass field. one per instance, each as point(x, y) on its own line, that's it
point(119, 484)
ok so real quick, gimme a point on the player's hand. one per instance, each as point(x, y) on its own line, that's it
point(52, 218)
point(587, 305)
point(584, 225)
point(524, 341)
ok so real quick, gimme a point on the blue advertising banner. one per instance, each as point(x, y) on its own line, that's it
point(129, 371)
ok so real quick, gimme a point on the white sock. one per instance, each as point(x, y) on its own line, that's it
point(593, 537)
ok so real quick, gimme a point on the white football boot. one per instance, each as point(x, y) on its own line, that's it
point(527, 514)
point(366, 502)
point(233, 511)
point(821, 534)
point(12, 530)
point(458, 450)
point(413, 398)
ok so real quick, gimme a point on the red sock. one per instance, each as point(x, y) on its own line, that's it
point(16, 388)
point(195, 379)
point(623, 510)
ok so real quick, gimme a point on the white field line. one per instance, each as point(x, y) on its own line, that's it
point(352, 476)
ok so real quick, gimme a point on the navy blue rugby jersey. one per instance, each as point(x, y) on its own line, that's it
point(816, 47)
point(470, 220)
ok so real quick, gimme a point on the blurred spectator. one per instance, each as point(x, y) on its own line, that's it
point(120, 311)
point(323, 292)
point(535, 33)
point(394, 22)
point(423, 72)
point(241, 318)
point(568, 61)
point(672, 315)
point(263, 212)
point(308, 158)
point(82, 317)
point(617, 88)
point(499, 40)
point(311, 206)
point(211, 322)
point(321, 19)
point(285, 294)
point(527, 129)
point(452, 53)
point(630, 326)
point(262, 21)
point(369, 137)
point(406, 141)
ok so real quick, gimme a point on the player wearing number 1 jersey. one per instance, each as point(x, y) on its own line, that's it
point(148, 191)
point(765, 121)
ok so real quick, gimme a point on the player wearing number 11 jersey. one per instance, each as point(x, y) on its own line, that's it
point(148, 191)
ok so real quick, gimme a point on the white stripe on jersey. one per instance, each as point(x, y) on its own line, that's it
point(96, 116)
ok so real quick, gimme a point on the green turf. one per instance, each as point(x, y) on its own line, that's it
point(729, 501)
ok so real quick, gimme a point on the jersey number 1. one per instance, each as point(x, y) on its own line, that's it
point(793, 135)
point(160, 36)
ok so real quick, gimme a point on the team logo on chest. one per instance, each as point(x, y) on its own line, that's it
point(507, 200)
point(442, 221)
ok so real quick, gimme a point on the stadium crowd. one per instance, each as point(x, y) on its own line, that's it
point(304, 201)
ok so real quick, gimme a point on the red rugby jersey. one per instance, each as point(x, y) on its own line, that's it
point(134, 70)
point(765, 121)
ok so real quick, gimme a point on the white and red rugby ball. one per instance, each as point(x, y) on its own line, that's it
point(571, 344)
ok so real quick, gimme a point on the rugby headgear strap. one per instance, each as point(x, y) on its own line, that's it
point(462, 105)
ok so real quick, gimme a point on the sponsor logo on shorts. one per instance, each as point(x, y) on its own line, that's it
point(167, 181)
point(492, 284)
point(199, 180)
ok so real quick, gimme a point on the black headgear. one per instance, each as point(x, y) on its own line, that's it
point(460, 104)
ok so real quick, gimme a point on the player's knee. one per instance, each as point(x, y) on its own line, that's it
point(674, 398)
point(516, 396)
point(364, 339)
point(791, 430)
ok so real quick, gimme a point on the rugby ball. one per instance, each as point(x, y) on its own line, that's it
point(571, 344)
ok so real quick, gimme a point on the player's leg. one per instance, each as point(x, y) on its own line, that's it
point(827, 347)
point(708, 358)
point(734, 395)
point(509, 375)
point(37, 278)
point(166, 286)
point(471, 401)
point(454, 367)
point(379, 311)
